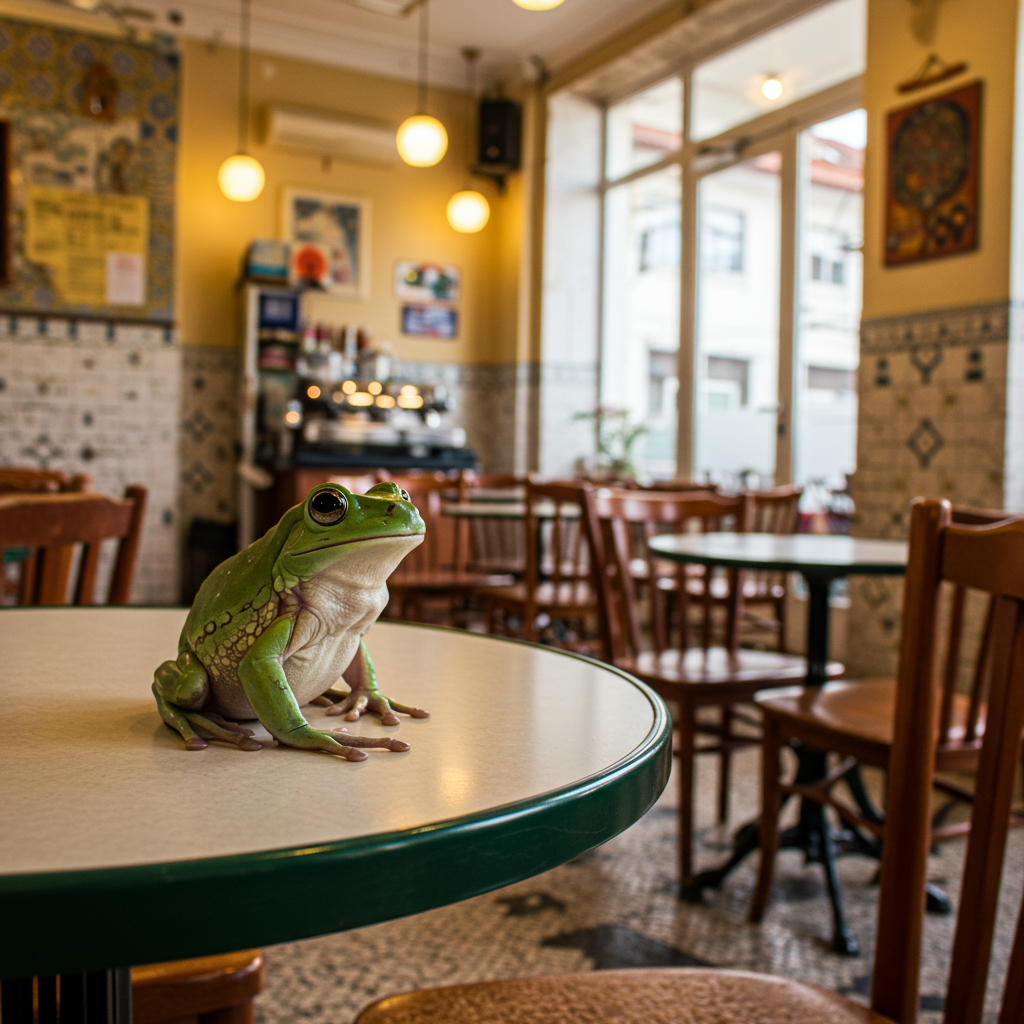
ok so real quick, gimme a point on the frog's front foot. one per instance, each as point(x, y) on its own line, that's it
point(339, 741)
point(354, 704)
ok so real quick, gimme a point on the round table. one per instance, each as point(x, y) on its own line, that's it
point(820, 560)
point(119, 847)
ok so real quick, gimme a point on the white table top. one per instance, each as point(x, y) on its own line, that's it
point(94, 782)
point(802, 552)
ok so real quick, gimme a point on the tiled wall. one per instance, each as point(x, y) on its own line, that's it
point(932, 422)
point(99, 399)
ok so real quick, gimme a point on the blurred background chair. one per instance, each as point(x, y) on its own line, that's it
point(495, 543)
point(694, 662)
point(15, 479)
point(206, 990)
point(739, 997)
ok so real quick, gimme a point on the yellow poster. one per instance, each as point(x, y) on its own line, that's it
point(94, 243)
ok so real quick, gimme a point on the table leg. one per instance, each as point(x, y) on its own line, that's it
point(95, 997)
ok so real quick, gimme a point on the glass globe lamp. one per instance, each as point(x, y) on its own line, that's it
point(468, 211)
point(421, 140)
point(537, 5)
point(241, 178)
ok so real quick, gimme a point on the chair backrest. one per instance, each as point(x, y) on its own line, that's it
point(776, 511)
point(558, 548)
point(439, 548)
point(48, 528)
point(470, 480)
point(622, 522)
point(678, 486)
point(20, 480)
point(987, 558)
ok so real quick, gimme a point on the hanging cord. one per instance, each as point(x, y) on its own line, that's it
point(471, 55)
point(243, 80)
point(422, 101)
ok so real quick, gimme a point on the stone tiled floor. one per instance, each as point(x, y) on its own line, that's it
point(616, 907)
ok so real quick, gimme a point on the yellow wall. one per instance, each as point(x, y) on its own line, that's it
point(408, 213)
point(983, 33)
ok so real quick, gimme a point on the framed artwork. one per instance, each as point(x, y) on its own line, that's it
point(330, 241)
point(931, 204)
point(430, 321)
point(416, 281)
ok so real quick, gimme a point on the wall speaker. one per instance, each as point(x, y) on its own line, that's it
point(500, 136)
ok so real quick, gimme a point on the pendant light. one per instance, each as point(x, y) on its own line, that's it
point(241, 177)
point(771, 87)
point(468, 210)
point(537, 5)
point(422, 139)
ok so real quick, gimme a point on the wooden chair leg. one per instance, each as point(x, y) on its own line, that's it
point(686, 764)
point(725, 767)
point(771, 806)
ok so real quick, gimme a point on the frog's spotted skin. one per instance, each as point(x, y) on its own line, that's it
point(274, 626)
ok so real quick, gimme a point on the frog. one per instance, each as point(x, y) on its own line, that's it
point(275, 626)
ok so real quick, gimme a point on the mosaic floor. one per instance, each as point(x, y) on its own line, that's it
point(616, 907)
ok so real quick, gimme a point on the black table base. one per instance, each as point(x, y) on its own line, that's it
point(96, 997)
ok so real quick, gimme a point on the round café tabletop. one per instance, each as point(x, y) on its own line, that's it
point(810, 554)
point(118, 846)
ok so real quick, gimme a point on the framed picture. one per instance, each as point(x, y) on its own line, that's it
point(931, 204)
point(416, 281)
point(430, 321)
point(330, 241)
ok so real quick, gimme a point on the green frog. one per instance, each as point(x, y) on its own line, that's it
point(273, 627)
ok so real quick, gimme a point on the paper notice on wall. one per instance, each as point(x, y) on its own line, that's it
point(126, 279)
point(94, 244)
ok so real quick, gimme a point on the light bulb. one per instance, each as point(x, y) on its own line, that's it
point(468, 211)
point(241, 178)
point(421, 140)
point(771, 88)
point(537, 5)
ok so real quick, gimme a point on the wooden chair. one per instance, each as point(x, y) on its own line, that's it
point(51, 526)
point(435, 573)
point(559, 578)
point(495, 544)
point(19, 480)
point(711, 672)
point(856, 720)
point(677, 486)
point(989, 558)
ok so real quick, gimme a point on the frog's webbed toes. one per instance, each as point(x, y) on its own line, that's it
point(196, 743)
point(407, 709)
point(343, 737)
point(356, 704)
point(215, 727)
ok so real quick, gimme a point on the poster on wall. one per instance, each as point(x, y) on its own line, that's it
point(423, 321)
point(416, 281)
point(932, 177)
point(330, 241)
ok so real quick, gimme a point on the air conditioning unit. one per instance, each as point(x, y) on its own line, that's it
point(334, 135)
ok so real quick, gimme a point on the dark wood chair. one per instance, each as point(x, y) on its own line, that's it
point(677, 486)
point(855, 719)
point(50, 527)
point(692, 665)
point(494, 543)
point(559, 578)
point(21, 480)
point(987, 558)
point(434, 578)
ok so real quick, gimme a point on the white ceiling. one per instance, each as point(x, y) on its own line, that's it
point(335, 32)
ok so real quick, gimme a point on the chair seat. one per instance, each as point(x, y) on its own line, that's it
point(863, 709)
point(570, 596)
point(716, 666)
point(447, 580)
point(668, 995)
point(170, 991)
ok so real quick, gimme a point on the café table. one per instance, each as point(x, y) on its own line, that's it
point(120, 847)
point(821, 560)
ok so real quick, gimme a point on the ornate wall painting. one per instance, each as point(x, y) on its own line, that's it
point(932, 178)
point(416, 281)
point(330, 241)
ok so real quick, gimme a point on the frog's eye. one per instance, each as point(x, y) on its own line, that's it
point(404, 493)
point(328, 507)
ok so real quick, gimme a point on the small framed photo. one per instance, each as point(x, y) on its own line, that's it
point(416, 281)
point(430, 321)
point(330, 241)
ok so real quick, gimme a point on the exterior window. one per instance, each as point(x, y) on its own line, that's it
point(828, 378)
point(727, 378)
point(722, 244)
point(660, 247)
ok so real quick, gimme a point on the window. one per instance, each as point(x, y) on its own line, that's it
point(645, 128)
point(829, 378)
point(733, 371)
point(825, 269)
point(659, 247)
point(722, 240)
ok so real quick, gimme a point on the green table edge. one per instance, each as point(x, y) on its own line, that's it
point(118, 917)
point(782, 565)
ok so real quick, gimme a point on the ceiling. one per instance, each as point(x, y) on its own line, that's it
point(335, 32)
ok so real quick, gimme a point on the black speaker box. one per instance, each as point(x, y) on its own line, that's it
point(501, 124)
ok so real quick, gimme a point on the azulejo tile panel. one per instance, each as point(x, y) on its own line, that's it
point(99, 399)
point(932, 421)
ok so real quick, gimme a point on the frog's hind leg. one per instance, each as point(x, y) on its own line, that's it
point(175, 718)
point(216, 728)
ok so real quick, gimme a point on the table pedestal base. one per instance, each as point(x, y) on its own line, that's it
point(97, 997)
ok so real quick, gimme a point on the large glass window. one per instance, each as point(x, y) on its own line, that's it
point(829, 288)
point(645, 128)
point(737, 350)
point(797, 59)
